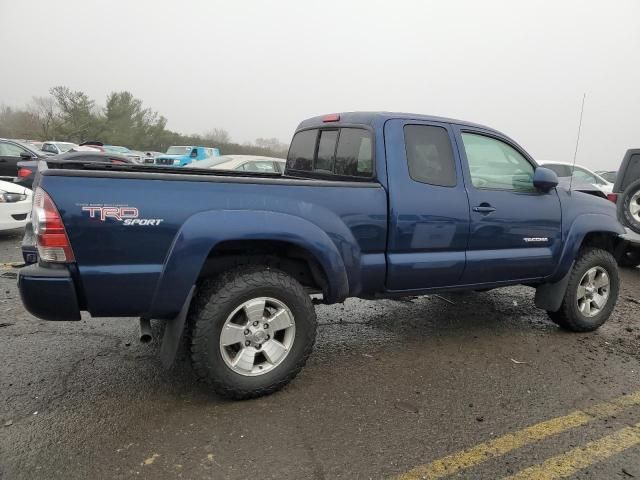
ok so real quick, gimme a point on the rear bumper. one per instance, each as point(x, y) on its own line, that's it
point(48, 293)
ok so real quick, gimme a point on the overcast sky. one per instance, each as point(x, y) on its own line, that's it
point(257, 68)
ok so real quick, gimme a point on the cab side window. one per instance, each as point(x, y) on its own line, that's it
point(429, 155)
point(495, 165)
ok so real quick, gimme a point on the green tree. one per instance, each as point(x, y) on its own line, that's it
point(78, 120)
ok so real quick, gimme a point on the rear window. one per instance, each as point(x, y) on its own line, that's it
point(345, 152)
point(429, 155)
point(302, 150)
point(326, 150)
point(354, 155)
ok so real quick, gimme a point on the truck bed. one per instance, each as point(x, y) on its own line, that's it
point(180, 213)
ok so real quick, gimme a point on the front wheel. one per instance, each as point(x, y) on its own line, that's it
point(252, 331)
point(591, 293)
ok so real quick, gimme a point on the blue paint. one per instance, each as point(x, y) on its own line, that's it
point(393, 236)
point(192, 154)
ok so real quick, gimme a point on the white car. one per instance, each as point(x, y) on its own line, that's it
point(58, 147)
point(246, 163)
point(15, 205)
point(563, 170)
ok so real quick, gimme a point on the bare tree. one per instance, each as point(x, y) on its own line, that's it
point(217, 136)
point(46, 110)
point(272, 144)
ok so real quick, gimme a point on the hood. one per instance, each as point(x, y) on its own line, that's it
point(165, 155)
point(580, 186)
point(13, 188)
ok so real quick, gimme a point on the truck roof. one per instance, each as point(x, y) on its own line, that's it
point(373, 118)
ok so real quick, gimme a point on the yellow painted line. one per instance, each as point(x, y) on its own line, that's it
point(567, 464)
point(485, 451)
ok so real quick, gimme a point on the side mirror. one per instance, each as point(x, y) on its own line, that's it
point(25, 156)
point(544, 179)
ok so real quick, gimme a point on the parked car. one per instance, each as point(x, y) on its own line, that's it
point(563, 170)
point(28, 169)
point(15, 205)
point(179, 156)
point(608, 175)
point(246, 163)
point(372, 205)
point(37, 144)
point(55, 148)
point(133, 155)
point(150, 157)
point(627, 191)
point(11, 152)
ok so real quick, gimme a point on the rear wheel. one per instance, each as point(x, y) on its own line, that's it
point(629, 206)
point(252, 331)
point(591, 293)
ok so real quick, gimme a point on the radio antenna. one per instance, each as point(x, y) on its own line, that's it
point(575, 153)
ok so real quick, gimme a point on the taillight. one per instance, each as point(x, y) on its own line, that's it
point(24, 172)
point(612, 197)
point(51, 237)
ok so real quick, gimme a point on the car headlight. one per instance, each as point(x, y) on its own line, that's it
point(176, 162)
point(9, 197)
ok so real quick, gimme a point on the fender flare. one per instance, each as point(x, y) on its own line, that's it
point(550, 294)
point(199, 235)
point(581, 226)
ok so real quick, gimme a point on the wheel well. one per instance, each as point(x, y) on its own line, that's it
point(285, 256)
point(605, 240)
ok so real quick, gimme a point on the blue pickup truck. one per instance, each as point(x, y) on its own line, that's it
point(371, 205)
point(179, 156)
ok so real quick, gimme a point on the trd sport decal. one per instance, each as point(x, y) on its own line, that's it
point(121, 213)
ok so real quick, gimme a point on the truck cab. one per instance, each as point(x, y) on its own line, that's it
point(179, 156)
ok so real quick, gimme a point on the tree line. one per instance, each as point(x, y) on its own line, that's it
point(68, 115)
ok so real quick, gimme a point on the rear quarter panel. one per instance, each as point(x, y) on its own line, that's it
point(120, 267)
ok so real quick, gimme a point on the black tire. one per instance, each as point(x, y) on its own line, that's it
point(569, 316)
point(624, 204)
point(629, 259)
point(214, 303)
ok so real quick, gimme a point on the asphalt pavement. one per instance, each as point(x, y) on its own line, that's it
point(478, 385)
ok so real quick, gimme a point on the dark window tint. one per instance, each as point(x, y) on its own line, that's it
point(429, 155)
point(301, 150)
point(47, 147)
point(354, 155)
point(326, 150)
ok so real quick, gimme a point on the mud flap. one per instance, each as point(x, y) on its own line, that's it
point(549, 295)
point(173, 333)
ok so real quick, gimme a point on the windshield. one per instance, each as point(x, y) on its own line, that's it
point(65, 147)
point(177, 150)
point(115, 148)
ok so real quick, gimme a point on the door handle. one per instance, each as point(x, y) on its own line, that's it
point(484, 208)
